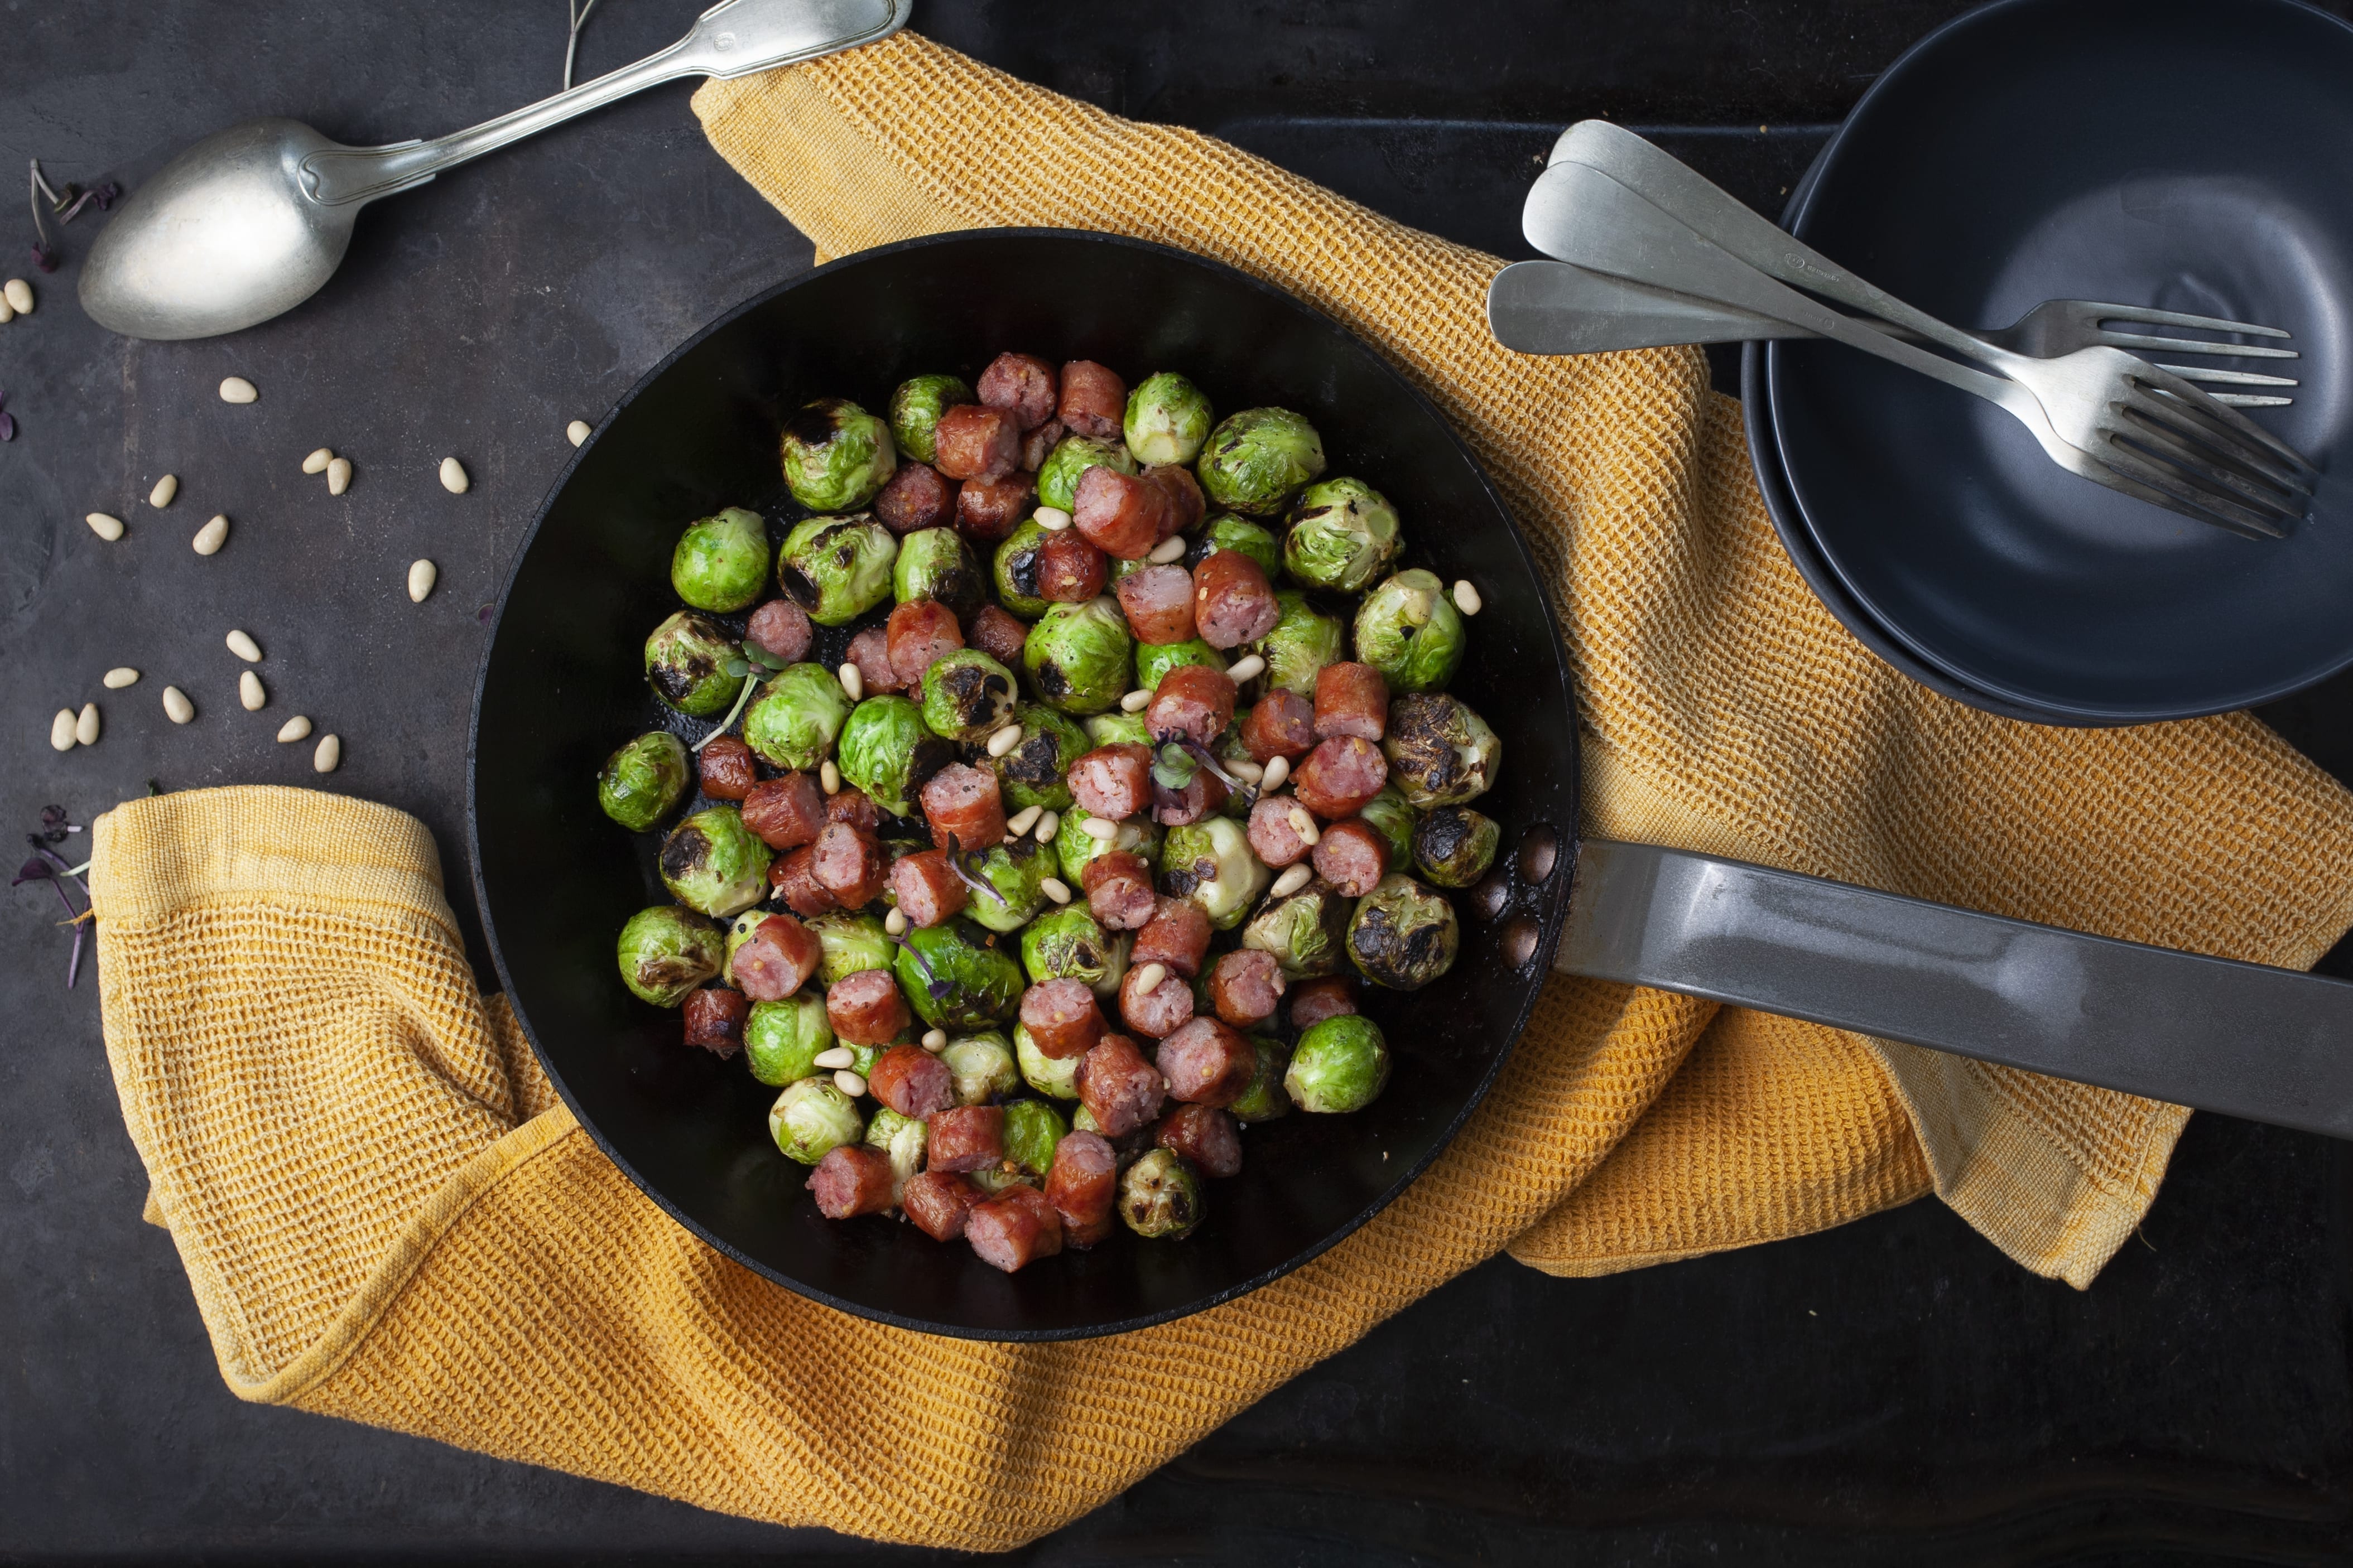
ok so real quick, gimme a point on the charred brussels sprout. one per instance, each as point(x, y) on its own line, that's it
point(1118, 729)
point(1081, 656)
point(1211, 864)
point(1056, 1075)
point(837, 568)
point(967, 696)
point(1453, 846)
point(1032, 773)
point(915, 408)
point(782, 1039)
point(1307, 932)
point(644, 781)
point(1265, 1100)
point(686, 664)
point(836, 456)
point(1160, 1197)
point(903, 1137)
point(795, 719)
point(1343, 534)
point(1168, 419)
point(1075, 847)
point(667, 951)
point(886, 751)
point(983, 1067)
point(1388, 813)
point(936, 563)
point(1057, 482)
point(1439, 752)
point(1016, 571)
point(811, 1119)
point(722, 561)
point(1341, 1065)
point(1032, 1128)
point(1227, 531)
point(715, 863)
point(1409, 629)
point(1254, 460)
point(1017, 871)
point(1154, 660)
point(1066, 944)
point(1402, 935)
point(1304, 641)
point(958, 977)
point(851, 942)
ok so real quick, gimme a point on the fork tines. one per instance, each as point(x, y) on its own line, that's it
point(2214, 463)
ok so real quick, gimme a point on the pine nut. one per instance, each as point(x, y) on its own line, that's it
point(577, 431)
point(298, 728)
point(1052, 519)
point(109, 528)
point(165, 489)
point(1005, 739)
point(1100, 828)
point(1466, 597)
point(7, 312)
point(211, 536)
point(1024, 819)
point(453, 477)
point(316, 463)
point(853, 680)
point(1276, 772)
point(1250, 667)
point(1167, 550)
point(835, 1057)
point(19, 295)
point(1048, 826)
point(329, 754)
point(61, 730)
point(895, 922)
point(936, 1039)
point(244, 647)
point(1291, 880)
point(1056, 889)
point(422, 575)
point(236, 389)
point(829, 777)
point(85, 726)
point(849, 1083)
point(1148, 978)
point(249, 692)
point(121, 676)
point(1135, 702)
point(1303, 826)
point(339, 476)
point(176, 706)
point(1249, 773)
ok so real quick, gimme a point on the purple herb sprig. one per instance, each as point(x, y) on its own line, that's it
point(66, 205)
point(7, 420)
point(47, 866)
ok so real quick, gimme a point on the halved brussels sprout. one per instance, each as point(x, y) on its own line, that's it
point(958, 977)
point(967, 696)
point(1409, 629)
point(983, 1067)
point(1154, 660)
point(1439, 752)
point(915, 408)
point(1016, 571)
point(686, 664)
point(812, 1119)
point(1168, 419)
point(666, 951)
point(1227, 531)
point(837, 568)
point(1403, 935)
point(1307, 932)
point(851, 942)
point(1341, 1065)
point(1066, 944)
point(1032, 1128)
point(782, 1039)
point(1017, 869)
point(1211, 864)
point(1343, 534)
point(1255, 460)
point(795, 719)
point(1057, 482)
point(886, 751)
point(903, 1139)
point(1117, 729)
point(1453, 846)
point(714, 863)
point(1160, 1196)
point(1079, 657)
point(1264, 1099)
point(836, 456)
point(1303, 642)
point(1056, 1075)
point(1075, 847)
point(936, 563)
point(1034, 771)
point(1389, 812)
point(721, 561)
point(644, 781)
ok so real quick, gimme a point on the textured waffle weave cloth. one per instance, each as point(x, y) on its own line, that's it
point(385, 1215)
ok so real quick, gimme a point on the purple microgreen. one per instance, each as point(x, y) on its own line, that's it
point(742, 696)
point(34, 870)
point(7, 425)
point(978, 884)
point(42, 258)
point(934, 986)
point(45, 258)
point(483, 615)
point(100, 196)
point(1171, 768)
point(1202, 755)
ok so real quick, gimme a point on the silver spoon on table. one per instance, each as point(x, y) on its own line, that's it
point(250, 221)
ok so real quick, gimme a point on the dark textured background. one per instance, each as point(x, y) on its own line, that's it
point(1894, 1389)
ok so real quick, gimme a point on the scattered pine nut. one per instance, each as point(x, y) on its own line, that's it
point(1466, 597)
point(339, 476)
point(853, 681)
point(121, 676)
point(1024, 819)
point(1276, 772)
point(109, 528)
point(86, 727)
point(422, 575)
point(176, 706)
point(298, 728)
point(165, 489)
point(1048, 826)
point(329, 754)
point(577, 431)
point(1101, 828)
point(895, 922)
point(1291, 880)
point(1303, 826)
point(1148, 978)
point(849, 1083)
point(249, 692)
point(316, 463)
point(211, 536)
point(829, 777)
point(1170, 549)
point(453, 477)
point(236, 389)
point(1056, 889)
point(834, 1056)
point(1135, 702)
point(1005, 739)
point(19, 295)
point(7, 312)
point(1052, 519)
point(241, 644)
point(1250, 667)
point(61, 730)
point(1249, 773)
point(936, 1039)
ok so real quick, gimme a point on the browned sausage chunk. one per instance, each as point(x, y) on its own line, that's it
point(937, 1201)
point(1313, 1001)
point(1120, 1090)
point(927, 888)
point(1119, 513)
point(1207, 1062)
point(1112, 781)
point(1199, 796)
point(776, 959)
point(968, 1138)
point(853, 808)
point(1069, 569)
point(1177, 937)
point(714, 1019)
point(1281, 724)
point(1158, 601)
point(918, 632)
point(974, 441)
point(1232, 603)
point(1205, 1135)
point(1185, 503)
point(911, 1082)
point(1015, 1228)
point(1339, 776)
point(962, 806)
point(1081, 1185)
point(998, 633)
point(1039, 445)
point(851, 865)
point(851, 1180)
point(1351, 700)
point(916, 496)
point(727, 770)
point(1245, 986)
point(1021, 385)
point(1351, 856)
point(1062, 1017)
point(1119, 890)
point(1094, 399)
point(783, 628)
point(870, 650)
point(866, 1009)
point(1193, 702)
point(1278, 830)
point(989, 508)
point(1163, 1010)
point(795, 876)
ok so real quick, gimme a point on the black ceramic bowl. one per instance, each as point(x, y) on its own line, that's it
point(561, 685)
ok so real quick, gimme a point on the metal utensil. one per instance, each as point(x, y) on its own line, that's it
point(250, 221)
point(1554, 308)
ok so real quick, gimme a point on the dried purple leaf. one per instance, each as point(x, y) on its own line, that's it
point(7, 426)
point(45, 258)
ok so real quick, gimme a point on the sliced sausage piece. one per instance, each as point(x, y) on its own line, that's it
point(1205, 1135)
point(851, 865)
point(1313, 1001)
point(776, 959)
point(851, 1180)
point(1232, 601)
point(1014, 1229)
point(1163, 1010)
point(783, 628)
point(1113, 781)
point(1069, 569)
point(974, 441)
point(916, 496)
point(866, 1009)
point(964, 807)
point(726, 768)
point(1351, 700)
point(853, 808)
point(918, 632)
point(1093, 399)
point(998, 633)
point(1207, 1062)
point(1201, 795)
point(1185, 503)
point(1281, 724)
point(1245, 986)
point(965, 1138)
point(1278, 830)
point(928, 890)
point(937, 1201)
point(870, 650)
point(1062, 1017)
point(1083, 1185)
point(1158, 601)
point(1039, 445)
point(1339, 776)
point(787, 812)
point(1119, 890)
point(1120, 1090)
point(910, 1080)
point(1177, 937)
point(1352, 856)
point(714, 1018)
point(1021, 385)
point(1192, 702)
point(795, 877)
point(986, 509)
point(1120, 514)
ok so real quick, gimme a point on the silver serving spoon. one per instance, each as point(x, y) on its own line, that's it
point(250, 221)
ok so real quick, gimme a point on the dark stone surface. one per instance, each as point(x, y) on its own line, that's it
point(1892, 1389)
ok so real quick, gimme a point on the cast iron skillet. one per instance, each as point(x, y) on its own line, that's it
point(561, 685)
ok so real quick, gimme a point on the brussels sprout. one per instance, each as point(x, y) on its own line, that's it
point(714, 863)
point(686, 664)
point(1343, 534)
point(958, 977)
point(666, 951)
point(793, 721)
point(1032, 1128)
point(1264, 1099)
point(1453, 846)
point(936, 563)
point(851, 942)
point(1228, 750)
point(1074, 847)
point(741, 930)
point(1154, 660)
point(1032, 773)
point(1211, 863)
point(811, 1119)
point(903, 1137)
point(1255, 460)
point(1304, 641)
point(1056, 1075)
point(865, 1058)
point(1058, 481)
point(1410, 631)
point(1160, 1196)
point(1227, 531)
point(983, 1067)
point(1403, 935)
point(644, 781)
point(782, 1039)
point(1168, 419)
point(886, 751)
point(1017, 569)
point(837, 568)
point(1307, 932)
point(994, 1179)
point(1439, 752)
point(836, 456)
point(1389, 812)
point(967, 696)
point(722, 563)
point(1341, 1065)
point(915, 408)
point(1079, 657)
point(1017, 871)
point(1066, 944)
point(1117, 729)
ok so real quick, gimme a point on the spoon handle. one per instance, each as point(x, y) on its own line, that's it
point(733, 38)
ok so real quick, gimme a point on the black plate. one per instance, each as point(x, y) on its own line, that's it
point(2186, 155)
point(561, 686)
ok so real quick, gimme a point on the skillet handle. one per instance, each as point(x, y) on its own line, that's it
point(2271, 1045)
